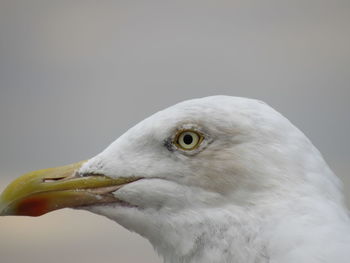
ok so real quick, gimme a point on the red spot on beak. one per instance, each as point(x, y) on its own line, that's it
point(33, 206)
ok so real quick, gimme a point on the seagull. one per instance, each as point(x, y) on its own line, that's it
point(212, 180)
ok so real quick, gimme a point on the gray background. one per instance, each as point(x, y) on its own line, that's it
point(74, 75)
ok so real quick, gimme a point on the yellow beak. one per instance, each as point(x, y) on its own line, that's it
point(37, 193)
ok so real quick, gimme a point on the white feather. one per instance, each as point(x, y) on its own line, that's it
point(255, 191)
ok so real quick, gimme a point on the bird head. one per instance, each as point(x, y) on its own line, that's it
point(202, 155)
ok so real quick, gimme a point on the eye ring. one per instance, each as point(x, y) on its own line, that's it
point(188, 140)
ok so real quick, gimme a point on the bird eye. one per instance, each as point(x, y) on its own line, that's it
point(188, 140)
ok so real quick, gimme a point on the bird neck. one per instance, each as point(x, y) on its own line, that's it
point(248, 235)
point(210, 236)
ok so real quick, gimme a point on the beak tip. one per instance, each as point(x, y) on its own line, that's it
point(5, 208)
point(2, 207)
point(4, 211)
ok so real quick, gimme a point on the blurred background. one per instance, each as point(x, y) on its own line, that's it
point(74, 75)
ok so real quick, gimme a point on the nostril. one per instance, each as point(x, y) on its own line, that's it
point(51, 180)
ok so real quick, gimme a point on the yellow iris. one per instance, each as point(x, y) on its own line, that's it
point(188, 139)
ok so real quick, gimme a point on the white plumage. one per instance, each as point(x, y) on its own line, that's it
point(255, 191)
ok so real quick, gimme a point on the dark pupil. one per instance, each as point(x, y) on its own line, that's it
point(188, 139)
